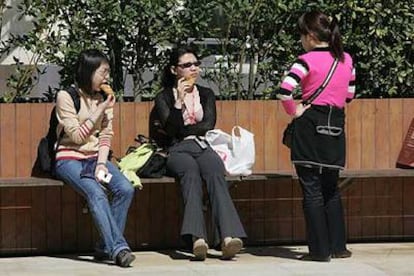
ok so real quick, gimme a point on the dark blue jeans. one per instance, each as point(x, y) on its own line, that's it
point(323, 211)
point(109, 215)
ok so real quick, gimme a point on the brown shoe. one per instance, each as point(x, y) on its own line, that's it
point(200, 248)
point(230, 247)
point(343, 254)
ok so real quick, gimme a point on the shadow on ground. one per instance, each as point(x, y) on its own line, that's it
point(275, 251)
point(271, 251)
point(84, 258)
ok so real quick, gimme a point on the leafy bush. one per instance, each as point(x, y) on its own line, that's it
point(255, 41)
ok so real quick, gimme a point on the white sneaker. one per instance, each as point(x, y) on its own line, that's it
point(230, 247)
point(200, 248)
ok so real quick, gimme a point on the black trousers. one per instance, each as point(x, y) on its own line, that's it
point(323, 211)
point(193, 165)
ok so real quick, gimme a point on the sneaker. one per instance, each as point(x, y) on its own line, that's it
point(230, 247)
point(343, 254)
point(200, 248)
point(124, 258)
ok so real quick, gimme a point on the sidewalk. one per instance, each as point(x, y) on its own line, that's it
point(368, 259)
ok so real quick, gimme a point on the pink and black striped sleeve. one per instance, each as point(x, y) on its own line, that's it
point(297, 72)
point(351, 87)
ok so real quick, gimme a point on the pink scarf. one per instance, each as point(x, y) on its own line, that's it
point(192, 109)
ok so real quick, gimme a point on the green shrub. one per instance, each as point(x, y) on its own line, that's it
point(258, 35)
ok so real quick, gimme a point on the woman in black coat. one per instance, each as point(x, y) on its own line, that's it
point(186, 112)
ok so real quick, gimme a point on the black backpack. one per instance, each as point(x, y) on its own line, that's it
point(46, 152)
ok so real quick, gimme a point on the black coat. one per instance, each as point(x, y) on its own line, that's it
point(171, 118)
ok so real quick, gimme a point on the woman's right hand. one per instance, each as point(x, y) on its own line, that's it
point(108, 103)
point(182, 88)
point(300, 109)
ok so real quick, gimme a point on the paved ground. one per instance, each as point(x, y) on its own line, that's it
point(368, 259)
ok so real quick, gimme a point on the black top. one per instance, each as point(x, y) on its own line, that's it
point(171, 118)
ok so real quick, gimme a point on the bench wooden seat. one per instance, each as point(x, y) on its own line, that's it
point(369, 173)
point(28, 182)
point(44, 182)
point(348, 174)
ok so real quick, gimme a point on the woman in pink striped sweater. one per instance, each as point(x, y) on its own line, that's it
point(318, 145)
point(82, 153)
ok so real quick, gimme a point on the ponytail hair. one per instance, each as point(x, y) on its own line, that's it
point(335, 41)
point(325, 30)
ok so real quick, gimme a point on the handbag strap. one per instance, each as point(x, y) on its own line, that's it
point(324, 83)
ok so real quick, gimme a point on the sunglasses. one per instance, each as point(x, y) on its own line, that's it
point(189, 64)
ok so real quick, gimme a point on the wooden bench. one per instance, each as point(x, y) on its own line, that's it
point(346, 176)
point(349, 175)
point(8, 182)
point(39, 216)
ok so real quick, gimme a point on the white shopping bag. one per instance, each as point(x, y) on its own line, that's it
point(236, 150)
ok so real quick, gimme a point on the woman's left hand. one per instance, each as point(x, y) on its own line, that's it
point(100, 167)
point(300, 109)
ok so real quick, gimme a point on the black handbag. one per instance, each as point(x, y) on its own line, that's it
point(288, 134)
point(290, 128)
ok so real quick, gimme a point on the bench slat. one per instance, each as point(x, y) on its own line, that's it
point(257, 176)
point(28, 182)
point(368, 173)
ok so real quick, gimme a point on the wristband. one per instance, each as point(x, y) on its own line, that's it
point(101, 163)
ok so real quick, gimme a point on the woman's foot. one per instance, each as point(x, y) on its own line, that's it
point(309, 257)
point(124, 258)
point(200, 248)
point(343, 254)
point(230, 247)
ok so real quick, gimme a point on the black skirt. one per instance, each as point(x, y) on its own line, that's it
point(319, 138)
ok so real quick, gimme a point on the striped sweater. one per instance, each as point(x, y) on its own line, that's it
point(310, 71)
point(82, 138)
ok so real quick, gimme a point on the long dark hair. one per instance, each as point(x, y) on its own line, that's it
point(168, 78)
point(325, 30)
point(86, 65)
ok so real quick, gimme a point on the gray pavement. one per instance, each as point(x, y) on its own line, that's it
point(368, 259)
